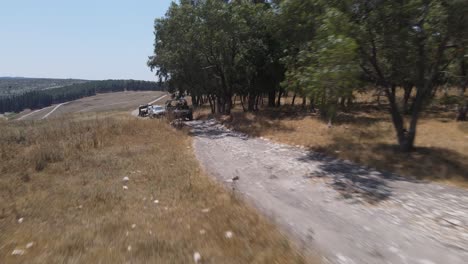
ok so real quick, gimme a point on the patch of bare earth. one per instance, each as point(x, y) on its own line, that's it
point(64, 198)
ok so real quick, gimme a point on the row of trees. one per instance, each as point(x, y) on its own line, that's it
point(324, 50)
point(43, 98)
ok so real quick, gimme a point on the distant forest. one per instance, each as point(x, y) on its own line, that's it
point(42, 98)
point(10, 86)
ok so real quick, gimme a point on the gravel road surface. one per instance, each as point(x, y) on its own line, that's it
point(349, 213)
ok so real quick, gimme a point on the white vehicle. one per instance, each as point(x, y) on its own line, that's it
point(156, 111)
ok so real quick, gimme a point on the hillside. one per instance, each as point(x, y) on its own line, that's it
point(36, 99)
point(18, 85)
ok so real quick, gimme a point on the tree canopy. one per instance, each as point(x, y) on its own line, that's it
point(322, 50)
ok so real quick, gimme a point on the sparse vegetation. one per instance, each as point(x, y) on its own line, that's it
point(64, 179)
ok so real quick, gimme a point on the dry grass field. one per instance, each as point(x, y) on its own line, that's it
point(116, 101)
point(63, 198)
point(366, 136)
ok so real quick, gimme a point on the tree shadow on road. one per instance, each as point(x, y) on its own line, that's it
point(351, 180)
point(422, 165)
point(211, 129)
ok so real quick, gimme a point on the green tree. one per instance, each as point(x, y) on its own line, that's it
point(296, 25)
point(216, 49)
point(326, 67)
point(404, 43)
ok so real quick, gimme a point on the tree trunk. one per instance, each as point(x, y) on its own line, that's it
point(194, 100)
point(293, 99)
point(220, 104)
point(378, 99)
point(343, 102)
point(271, 98)
point(280, 93)
point(228, 104)
point(462, 112)
point(312, 105)
point(242, 99)
point(405, 138)
point(304, 102)
point(257, 101)
point(212, 104)
point(463, 105)
point(407, 94)
point(251, 103)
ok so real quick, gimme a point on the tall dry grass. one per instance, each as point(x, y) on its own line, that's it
point(63, 179)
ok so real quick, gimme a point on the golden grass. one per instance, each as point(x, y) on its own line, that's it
point(367, 136)
point(63, 177)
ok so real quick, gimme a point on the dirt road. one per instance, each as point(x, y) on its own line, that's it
point(352, 214)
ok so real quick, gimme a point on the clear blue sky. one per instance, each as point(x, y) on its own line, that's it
point(87, 39)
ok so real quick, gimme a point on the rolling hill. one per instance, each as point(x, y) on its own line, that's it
point(18, 85)
point(36, 98)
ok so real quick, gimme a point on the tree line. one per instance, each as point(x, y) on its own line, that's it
point(42, 98)
point(320, 50)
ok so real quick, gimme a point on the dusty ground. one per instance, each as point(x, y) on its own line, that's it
point(352, 213)
point(99, 103)
point(365, 135)
point(64, 199)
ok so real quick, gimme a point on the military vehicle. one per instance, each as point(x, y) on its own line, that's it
point(179, 109)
